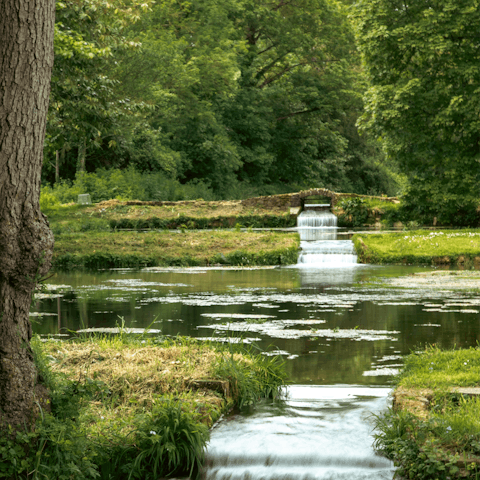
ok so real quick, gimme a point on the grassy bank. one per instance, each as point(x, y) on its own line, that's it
point(133, 408)
point(433, 430)
point(187, 248)
point(446, 247)
point(134, 215)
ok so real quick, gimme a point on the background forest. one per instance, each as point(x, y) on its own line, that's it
point(187, 99)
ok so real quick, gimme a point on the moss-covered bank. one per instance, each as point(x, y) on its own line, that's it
point(443, 247)
point(433, 429)
point(133, 407)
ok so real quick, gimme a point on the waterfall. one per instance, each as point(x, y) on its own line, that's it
point(328, 251)
point(317, 228)
point(316, 218)
point(317, 433)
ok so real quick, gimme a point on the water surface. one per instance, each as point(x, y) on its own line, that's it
point(343, 333)
point(345, 325)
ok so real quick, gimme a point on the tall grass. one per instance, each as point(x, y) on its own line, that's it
point(122, 409)
point(251, 378)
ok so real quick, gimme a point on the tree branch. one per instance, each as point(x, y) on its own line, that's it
point(300, 112)
point(280, 74)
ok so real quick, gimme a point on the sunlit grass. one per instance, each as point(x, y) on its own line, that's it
point(419, 246)
point(441, 369)
point(434, 429)
point(182, 248)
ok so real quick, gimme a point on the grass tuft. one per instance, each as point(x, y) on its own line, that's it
point(130, 407)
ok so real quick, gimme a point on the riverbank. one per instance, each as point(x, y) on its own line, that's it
point(134, 407)
point(441, 247)
point(181, 248)
point(433, 429)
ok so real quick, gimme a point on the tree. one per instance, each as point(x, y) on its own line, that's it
point(248, 90)
point(26, 242)
point(86, 111)
point(422, 60)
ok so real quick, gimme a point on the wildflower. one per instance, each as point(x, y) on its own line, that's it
point(103, 418)
point(449, 429)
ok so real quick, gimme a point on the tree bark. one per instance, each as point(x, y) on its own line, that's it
point(82, 154)
point(57, 166)
point(26, 242)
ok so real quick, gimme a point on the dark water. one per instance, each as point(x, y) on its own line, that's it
point(343, 333)
point(332, 326)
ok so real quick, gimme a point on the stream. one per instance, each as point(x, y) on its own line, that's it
point(342, 332)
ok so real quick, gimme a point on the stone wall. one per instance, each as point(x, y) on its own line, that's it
point(287, 200)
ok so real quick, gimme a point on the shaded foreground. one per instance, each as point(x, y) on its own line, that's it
point(133, 408)
point(433, 429)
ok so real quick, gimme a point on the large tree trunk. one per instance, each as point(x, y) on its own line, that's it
point(26, 242)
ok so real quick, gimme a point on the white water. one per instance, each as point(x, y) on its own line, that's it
point(319, 244)
point(335, 252)
point(320, 433)
point(316, 219)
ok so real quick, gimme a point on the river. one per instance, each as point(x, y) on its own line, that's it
point(343, 333)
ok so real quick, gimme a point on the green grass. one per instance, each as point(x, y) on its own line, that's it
point(123, 407)
point(419, 247)
point(441, 439)
point(441, 369)
point(189, 248)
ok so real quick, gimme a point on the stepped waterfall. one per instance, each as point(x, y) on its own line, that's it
point(317, 227)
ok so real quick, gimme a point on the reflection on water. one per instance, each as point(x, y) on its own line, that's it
point(318, 433)
point(331, 325)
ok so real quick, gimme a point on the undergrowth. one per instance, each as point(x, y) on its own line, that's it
point(122, 407)
point(441, 441)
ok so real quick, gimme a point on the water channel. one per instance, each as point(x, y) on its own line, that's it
point(343, 330)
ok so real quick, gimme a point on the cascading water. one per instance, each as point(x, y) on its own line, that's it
point(318, 433)
point(313, 218)
point(317, 228)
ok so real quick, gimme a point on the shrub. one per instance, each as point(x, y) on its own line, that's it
point(168, 440)
point(128, 184)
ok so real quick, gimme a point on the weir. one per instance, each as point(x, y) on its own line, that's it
point(317, 433)
point(317, 228)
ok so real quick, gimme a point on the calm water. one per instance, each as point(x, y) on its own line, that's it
point(343, 333)
point(333, 326)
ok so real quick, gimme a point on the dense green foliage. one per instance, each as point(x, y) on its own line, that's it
point(127, 184)
point(358, 211)
point(423, 66)
point(245, 97)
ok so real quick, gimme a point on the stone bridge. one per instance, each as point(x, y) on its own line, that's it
point(289, 200)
